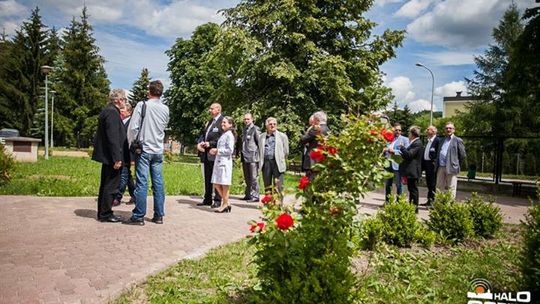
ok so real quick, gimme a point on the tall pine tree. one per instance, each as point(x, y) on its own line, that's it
point(493, 113)
point(23, 88)
point(83, 85)
point(139, 90)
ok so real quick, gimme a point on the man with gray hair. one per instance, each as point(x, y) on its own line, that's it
point(310, 140)
point(411, 167)
point(273, 151)
point(108, 145)
point(428, 162)
point(450, 154)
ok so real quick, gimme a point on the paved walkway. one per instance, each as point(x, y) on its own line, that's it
point(52, 250)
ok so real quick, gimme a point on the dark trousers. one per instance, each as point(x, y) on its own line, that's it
point(108, 187)
point(271, 175)
point(431, 179)
point(251, 176)
point(126, 180)
point(412, 186)
point(208, 186)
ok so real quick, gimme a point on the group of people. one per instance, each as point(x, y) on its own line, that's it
point(123, 137)
point(116, 132)
point(439, 159)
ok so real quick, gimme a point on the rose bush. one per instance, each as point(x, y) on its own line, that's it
point(303, 255)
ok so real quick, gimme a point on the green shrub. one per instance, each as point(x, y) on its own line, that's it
point(530, 258)
point(7, 166)
point(424, 236)
point(305, 256)
point(451, 221)
point(486, 216)
point(371, 233)
point(399, 222)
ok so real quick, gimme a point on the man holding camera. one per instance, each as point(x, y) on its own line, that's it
point(148, 124)
point(108, 143)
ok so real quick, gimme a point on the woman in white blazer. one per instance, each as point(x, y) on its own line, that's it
point(223, 165)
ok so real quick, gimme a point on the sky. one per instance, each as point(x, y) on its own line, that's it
point(443, 35)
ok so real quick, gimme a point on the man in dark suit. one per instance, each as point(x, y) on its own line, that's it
point(212, 132)
point(250, 158)
point(317, 127)
point(428, 162)
point(126, 179)
point(108, 145)
point(411, 167)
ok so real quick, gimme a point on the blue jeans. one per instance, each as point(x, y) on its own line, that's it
point(393, 180)
point(153, 163)
point(126, 181)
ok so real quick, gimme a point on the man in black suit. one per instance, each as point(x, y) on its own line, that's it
point(428, 162)
point(317, 127)
point(212, 132)
point(411, 167)
point(108, 150)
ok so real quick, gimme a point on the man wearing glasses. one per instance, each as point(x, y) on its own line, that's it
point(450, 154)
point(393, 149)
point(273, 149)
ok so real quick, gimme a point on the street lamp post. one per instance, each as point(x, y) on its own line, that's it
point(45, 69)
point(52, 118)
point(432, 89)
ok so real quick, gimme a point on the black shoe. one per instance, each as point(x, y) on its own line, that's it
point(253, 200)
point(245, 198)
point(132, 221)
point(111, 219)
point(116, 202)
point(131, 201)
point(204, 203)
point(416, 210)
point(224, 210)
point(157, 219)
point(216, 204)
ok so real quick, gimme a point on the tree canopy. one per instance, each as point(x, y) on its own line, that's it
point(287, 59)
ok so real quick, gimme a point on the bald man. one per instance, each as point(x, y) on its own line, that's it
point(212, 132)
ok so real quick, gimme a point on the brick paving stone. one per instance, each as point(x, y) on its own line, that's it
point(52, 249)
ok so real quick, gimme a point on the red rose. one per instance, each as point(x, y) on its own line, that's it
point(317, 155)
point(284, 221)
point(331, 150)
point(304, 182)
point(266, 199)
point(253, 227)
point(388, 135)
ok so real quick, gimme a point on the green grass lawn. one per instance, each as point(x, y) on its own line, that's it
point(74, 176)
point(439, 275)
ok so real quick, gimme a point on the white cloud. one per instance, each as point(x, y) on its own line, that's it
point(384, 2)
point(448, 58)
point(413, 8)
point(451, 88)
point(11, 8)
point(402, 89)
point(10, 27)
point(458, 23)
point(421, 105)
point(177, 19)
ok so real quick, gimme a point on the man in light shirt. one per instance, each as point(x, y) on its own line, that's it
point(428, 162)
point(393, 149)
point(450, 154)
point(152, 131)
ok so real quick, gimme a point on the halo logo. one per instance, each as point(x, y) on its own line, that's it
point(480, 293)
